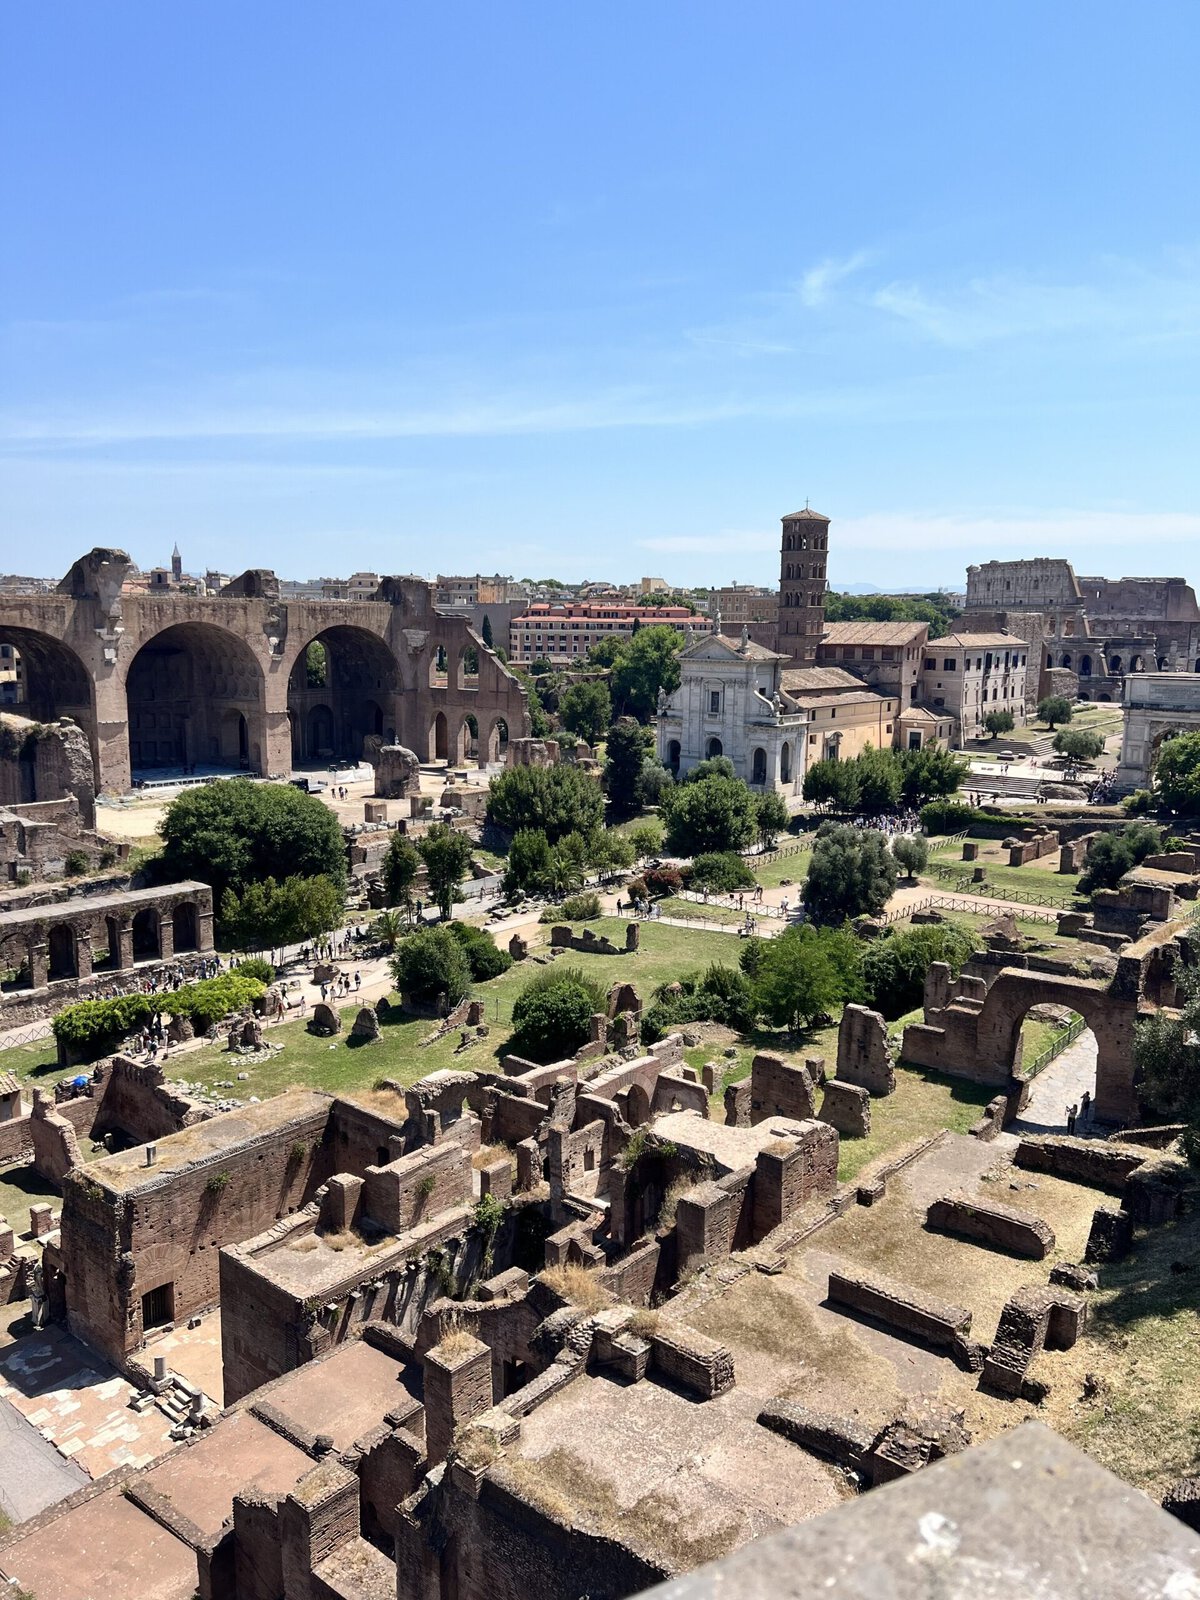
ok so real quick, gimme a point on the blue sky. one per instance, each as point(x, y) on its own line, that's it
point(600, 290)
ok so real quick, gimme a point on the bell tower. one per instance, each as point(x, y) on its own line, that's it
point(804, 550)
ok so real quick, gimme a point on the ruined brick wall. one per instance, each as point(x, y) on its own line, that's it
point(791, 1174)
point(1018, 1232)
point(780, 1088)
point(16, 1138)
point(171, 1228)
point(263, 1329)
point(578, 1160)
point(358, 1138)
point(898, 1305)
point(137, 1102)
point(1101, 1165)
point(417, 1187)
point(496, 1545)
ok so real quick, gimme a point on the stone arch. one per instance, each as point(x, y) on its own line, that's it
point(714, 747)
point(53, 682)
point(468, 738)
point(146, 935)
point(185, 927)
point(439, 667)
point(674, 754)
point(362, 681)
point(1137, 664)
point(1114, 665)
point(63, 958)
point(468, 668)
point(1111, 1020)
point(497, 739)
point(637, 1106)
point(1163, 664)
point(785, 762)
point(1085, 666)
point(112, 930)
point(185, 690)
point(439, 738)
point(758, 765)
point(1066, 658)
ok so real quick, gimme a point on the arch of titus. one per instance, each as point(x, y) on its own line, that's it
point(228, 681)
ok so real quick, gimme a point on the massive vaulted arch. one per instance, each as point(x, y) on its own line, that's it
point(52, 681)
point(341, 692)
point(195, 698)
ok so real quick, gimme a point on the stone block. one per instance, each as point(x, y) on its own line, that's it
point(1110, 1237)
point(842, 1440)
point(325, 1020)
point(695, 1363)
point(864, 1051)
point(339, 1203)
point(780, 1088)
point(1005, 1228)
point(496, 1179)
point(458, 1387)
point(846, 1107)
point(897, 1305)
point(366, 1026)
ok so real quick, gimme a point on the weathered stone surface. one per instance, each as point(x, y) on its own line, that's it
point(325, 1021)
point(1019, 1233)
point(842, 1440)
point(1110, 1237)
point(898, 1305)
point(694, 1362)
point(1035, 1317)
point(864, 1051)
point(366, 1026)
point(846, 1107)
point(780, 1088)
point(1182, 1500)
point(1095, 1162)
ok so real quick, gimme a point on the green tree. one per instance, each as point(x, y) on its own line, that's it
point(484, 957)
point(388, 928)
point(801, 975)
point(722, 871)
point(401, 864)
point(552, 1014)
point(585, 709)
point(431, 968)
point(911, 851)
point(997, 722)
point(1166, 1057)
point(610, 852)
point(929, 773)
point(316, 665)
point(852, 874)
point(236, 832)
point(627, 750)
point(556, 800)
point(486, 632)
point(878, 774)
point(710, 767)
point(447, 856)
point(832, 783)
point(604, 652)
point(894, 967)
point(267, 913)
point(530, 865)
point(1077, 744)
point(1111, 855)
point(650, 661)
point(715, 814)
point(772, 817)
point(1055, 708)
point(936, 609)
point(1177, 774)
point(646, 839)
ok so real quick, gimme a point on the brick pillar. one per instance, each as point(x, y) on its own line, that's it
point(125, 946)
point(458, 1386)
point(166, 936)
point(204, 929)
point(39, 962)
point(83, 954)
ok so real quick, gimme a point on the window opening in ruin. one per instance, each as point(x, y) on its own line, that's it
point(158, 1306)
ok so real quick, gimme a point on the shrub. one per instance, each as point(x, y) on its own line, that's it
point(947, 816)
point(1111, 855)
point(93, 1026)
point(75, 863)
point(256, 967)
point(431, 967)
point(721, 994)
point(894, 967)
point(484, 957)
point(713, 814)
point(581, 907)
point(722, 871)
point(552, 1014)
point(660, 881)
point(1138, 804)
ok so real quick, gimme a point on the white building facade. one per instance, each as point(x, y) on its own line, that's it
point(730, 703)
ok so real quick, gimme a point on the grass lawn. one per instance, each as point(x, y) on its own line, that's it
point(676, 906)
point(20, 1188)
point(792, 867)
point(332, 1064)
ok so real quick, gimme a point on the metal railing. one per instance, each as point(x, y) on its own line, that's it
point(951, 902)
point(1055, 1048)
point(1027, 897)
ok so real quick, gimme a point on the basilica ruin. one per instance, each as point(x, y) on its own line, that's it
point(247, 681)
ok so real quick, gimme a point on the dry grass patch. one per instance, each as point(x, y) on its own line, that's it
point(578, 1285)
point(565, 1487)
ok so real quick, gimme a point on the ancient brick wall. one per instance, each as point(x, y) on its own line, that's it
point(898, 1305)
point(358, 1138)
point(1018, 1232)
point(417, 1187)
point(791, 1174)
point(780, 1088)
point(577, 1160)
point(1102, 1166)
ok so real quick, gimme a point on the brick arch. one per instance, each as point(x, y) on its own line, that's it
point(1111, 1017)
point(195, 694)
point(353, 698)
point(54, 680)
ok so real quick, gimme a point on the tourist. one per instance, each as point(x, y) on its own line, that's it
point(1072, 1113)
point(1085, 1105)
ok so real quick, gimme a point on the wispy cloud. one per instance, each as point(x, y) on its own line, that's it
point(815, 286)
point(1072, 533)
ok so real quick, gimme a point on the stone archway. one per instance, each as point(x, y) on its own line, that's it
point(195, 698)
point(354, 694)
point(52, 682)
point(714, 748)
point(439, 738)
point(185, 928)
point(61, 952)
point(146, 935)
point(497, 740)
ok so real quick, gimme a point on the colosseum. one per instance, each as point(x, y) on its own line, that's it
point(230, 682)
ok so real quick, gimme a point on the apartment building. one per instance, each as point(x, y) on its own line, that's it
point(565, 633)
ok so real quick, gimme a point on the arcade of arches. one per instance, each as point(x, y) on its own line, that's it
point(244, 681)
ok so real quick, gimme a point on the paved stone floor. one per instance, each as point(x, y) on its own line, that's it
point(32, 1473)
point(1060, 1085)
point(194, 1353)
point(79, 1404)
